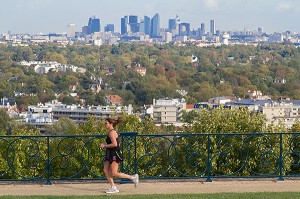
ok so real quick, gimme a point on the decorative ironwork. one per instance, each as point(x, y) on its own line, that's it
point(152, 156)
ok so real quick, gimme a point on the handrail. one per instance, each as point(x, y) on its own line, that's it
point(165, 156)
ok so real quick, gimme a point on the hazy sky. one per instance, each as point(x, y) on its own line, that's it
point(46, 16)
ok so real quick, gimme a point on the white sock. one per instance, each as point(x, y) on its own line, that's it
point(113, 187)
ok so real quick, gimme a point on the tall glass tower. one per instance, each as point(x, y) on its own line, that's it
point(212, 27)
point(202, 29)
point(184, 29)
point(124, 22)
point(147, 25)
point(155, 25)
point(172, 24)
point(133, 23)
point(109, 28)
point(94, 25)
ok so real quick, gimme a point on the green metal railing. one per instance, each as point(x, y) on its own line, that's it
point(175, 156)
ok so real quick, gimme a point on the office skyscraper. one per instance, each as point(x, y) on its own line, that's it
point(147, 25)
point(202, 29)
point(155, 25)
point(212, 27)
point(133, 23)
point(184, 29)
point(71, 30)
point(109, 28)
point(172, 24)
point(85, 29)
point(93, 25)
point(124, 23)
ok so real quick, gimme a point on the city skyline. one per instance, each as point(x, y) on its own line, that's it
point(48, 16)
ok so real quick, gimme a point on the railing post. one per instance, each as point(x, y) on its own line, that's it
point(128, 148)
point(280, 160)
point(48, 182)
point(208, 163)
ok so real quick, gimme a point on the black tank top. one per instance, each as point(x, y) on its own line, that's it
point(108, 141)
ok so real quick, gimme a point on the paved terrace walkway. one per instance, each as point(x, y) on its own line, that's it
point(151, 187)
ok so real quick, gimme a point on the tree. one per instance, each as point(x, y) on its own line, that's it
point(4, 121)
point(69, 100)
point(190, 117)
point(64, 126)
point(54, 56)
point(221, 120)
point(224, 89)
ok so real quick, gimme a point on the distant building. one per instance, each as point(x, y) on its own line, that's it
point(71, 30)
point(85, 29)
point(93, 25)
point(113, 99)
point(202, 29)
point(133, 23)
point(167, 37)
point(279, 80)
point(168, 111)
point(147, 25)
point(173, 25)
point(182, 92)
point(254, 94)
point(45, 114)
point(276, 38)
point(286, 112)
point(219, 100)
point(10, 105)
point(39, 116)
point(212, 27)
point(109, 28)
point(43, 67)
point(184, 29)
point(225, 38)
point(80, 114)
point(124, 25)
point(141, 70)
point(155, 25)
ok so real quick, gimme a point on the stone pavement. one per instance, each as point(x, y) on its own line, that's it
point(151, 187)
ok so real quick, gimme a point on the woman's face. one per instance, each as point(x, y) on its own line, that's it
point(107, 124)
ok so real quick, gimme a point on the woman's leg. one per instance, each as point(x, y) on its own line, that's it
point(114, 166)
point(107, 173)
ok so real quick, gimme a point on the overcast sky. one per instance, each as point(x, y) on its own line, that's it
point(48, 16)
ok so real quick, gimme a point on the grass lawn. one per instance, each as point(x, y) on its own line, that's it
point(264, 195)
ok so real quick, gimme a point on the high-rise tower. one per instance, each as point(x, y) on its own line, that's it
point(109, 28)
point(71, 30)
point(133, 23)
point(184, 29)
point(202, 29)
point(155, 25)
point(147, 25)
point(212, 27)
point(173, 25)
point(124, 23)
point(93, 25)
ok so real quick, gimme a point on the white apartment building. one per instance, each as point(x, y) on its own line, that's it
point(219, 100)
point(43, 67)
point(285, 112)
point(166, 111)
point(39, 116)
point(80, 114)
point(45, 114)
